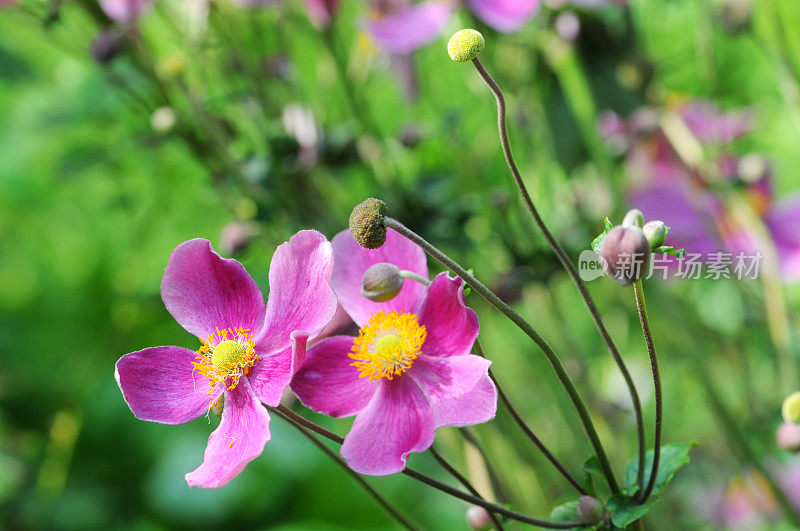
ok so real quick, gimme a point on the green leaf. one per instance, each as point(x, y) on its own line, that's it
point(624, 511)
point(607, 226)
point(566, 512)
point(668, 249)
point(673, 457)
point(468, 289)
point(592, 466)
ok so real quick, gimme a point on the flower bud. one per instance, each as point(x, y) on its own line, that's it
point(106, 46)
point(791, 408)
point(590, 510)
point(634, 218)
point(624, 254)
point(381, 282)
point(788, 436)
point(366, 223)
point(655, 232)
point(478, 518)
point(465, 45)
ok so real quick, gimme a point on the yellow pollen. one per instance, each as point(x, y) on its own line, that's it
point(225, 357)
point(387, 345)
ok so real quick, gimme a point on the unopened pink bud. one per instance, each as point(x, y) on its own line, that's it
point(478, 518)
point(625, 253)
point(590, 510)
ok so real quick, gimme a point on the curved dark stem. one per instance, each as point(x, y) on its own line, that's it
point(366, 486)
point(524, 427)
point(651, 350)
point(289, 415)
point(526, 327)
point(464, 481)
point(562, 256)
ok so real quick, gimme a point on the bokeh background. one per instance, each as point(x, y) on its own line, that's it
point(244, 124)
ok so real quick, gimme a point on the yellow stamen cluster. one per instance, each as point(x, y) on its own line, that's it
point(387, 345)
point(226, 357)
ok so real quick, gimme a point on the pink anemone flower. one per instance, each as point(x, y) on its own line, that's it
point(248, 354)
point(408, 372)
point(401, 26)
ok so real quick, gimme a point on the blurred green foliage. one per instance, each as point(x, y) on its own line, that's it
point(93, 199)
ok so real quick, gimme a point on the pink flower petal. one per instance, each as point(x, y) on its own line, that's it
point(239, 438)
point(413, 27)
point(159, 385)
point(272, 374)
point(300, 295)
point(320, 12)
point(397, 421)
point(450, 325)
point(350, 262)
point(459, 388)
point(783, 221)
point(505, 15)
point(328, 384)
point(125, 11)
point(204, 292)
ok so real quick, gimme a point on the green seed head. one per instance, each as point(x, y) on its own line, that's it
point(791, 408)
point(366, 223)
point(465, 45)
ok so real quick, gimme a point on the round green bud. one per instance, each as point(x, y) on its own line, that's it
point(381, 282)
point(791, 408)
point(465, 45)
point(366, 223)
point(634, 218)
point(655, 232)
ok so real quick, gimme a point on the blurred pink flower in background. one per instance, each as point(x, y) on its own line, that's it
point(124, 11)
point(321, 12)
point(747, 502)
point(664, 187)
point(401, 26)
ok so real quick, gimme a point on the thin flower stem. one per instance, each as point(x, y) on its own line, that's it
point(464, 481)
point(413, 276)
point(296, 419)
point(367, 487)
point(523, 325)
point(562, 256)
point(527, 431)
point(651, 350)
